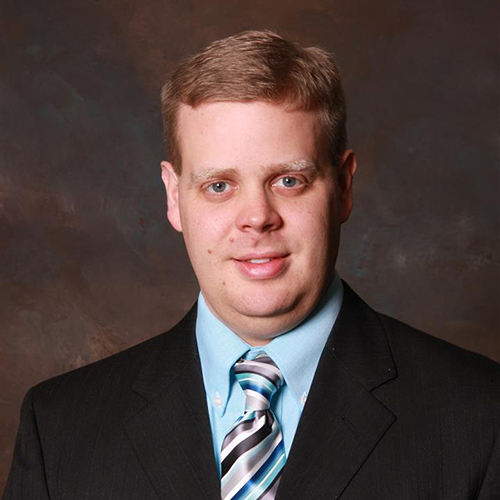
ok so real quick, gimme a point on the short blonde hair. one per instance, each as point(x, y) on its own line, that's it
point(258, 66)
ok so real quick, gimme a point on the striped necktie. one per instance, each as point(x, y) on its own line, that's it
point(253, 454)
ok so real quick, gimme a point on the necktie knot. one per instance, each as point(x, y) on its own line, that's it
point(260, 379)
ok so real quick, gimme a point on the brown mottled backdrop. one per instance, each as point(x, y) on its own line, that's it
point(88, 263)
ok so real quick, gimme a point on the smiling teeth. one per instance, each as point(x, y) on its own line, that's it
point(259, 261)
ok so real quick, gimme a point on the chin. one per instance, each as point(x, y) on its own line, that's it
point(266, 305)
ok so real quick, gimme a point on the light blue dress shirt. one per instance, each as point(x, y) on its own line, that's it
point(296, 353)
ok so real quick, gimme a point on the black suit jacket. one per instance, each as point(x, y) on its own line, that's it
point(392, 414)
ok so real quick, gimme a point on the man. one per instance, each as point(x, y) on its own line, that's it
point(281, 383)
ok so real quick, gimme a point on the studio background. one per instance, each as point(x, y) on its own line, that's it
point(88, 262)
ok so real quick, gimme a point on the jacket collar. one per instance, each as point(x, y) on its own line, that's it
point(359, 342)
point(342, 421)
point(169, 425)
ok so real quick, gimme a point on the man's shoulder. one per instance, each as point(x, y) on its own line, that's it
point(113, 375)
point(434, 360)
point(414, 352)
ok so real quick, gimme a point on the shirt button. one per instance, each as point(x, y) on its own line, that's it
point(303, 399)
point(217, 400)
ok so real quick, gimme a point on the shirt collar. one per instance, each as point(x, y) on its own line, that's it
point(219, 348)
point(296, 352)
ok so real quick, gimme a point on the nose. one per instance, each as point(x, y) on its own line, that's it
point(258, 214)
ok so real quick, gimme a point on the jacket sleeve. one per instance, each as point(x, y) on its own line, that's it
point(27, 479)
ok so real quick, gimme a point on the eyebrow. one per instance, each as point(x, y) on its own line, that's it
point(211, 173)
point(301, 166)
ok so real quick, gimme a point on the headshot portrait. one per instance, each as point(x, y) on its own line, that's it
point(249, 252)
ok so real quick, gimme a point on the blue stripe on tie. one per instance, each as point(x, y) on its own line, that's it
point(255, 479)
point(257, 379)
point(270, 475)
point(272, 377)
point(268, 482)
point(256, 388)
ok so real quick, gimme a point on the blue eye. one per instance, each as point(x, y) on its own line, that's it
point(217, 187)
point(288, 182)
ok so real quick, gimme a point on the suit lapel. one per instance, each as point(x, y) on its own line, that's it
point(342, 421)
point(170, 432)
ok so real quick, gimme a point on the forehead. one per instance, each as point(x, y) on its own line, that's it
point(224, 134)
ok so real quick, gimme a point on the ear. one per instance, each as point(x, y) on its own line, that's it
point(347, 169)
point(171, 182)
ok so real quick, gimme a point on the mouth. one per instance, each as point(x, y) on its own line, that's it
point(261, 267)
point(257, 261)
point(260, 258)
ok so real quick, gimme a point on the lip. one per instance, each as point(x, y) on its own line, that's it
point(262, 255)
point(267, 270)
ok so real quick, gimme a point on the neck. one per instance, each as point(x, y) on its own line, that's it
point(259, 331)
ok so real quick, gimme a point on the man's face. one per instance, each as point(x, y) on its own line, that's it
point(260, 208)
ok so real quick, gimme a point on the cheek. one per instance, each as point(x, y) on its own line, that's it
point(310, 224)
point(204, 229)
point(315, 232)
